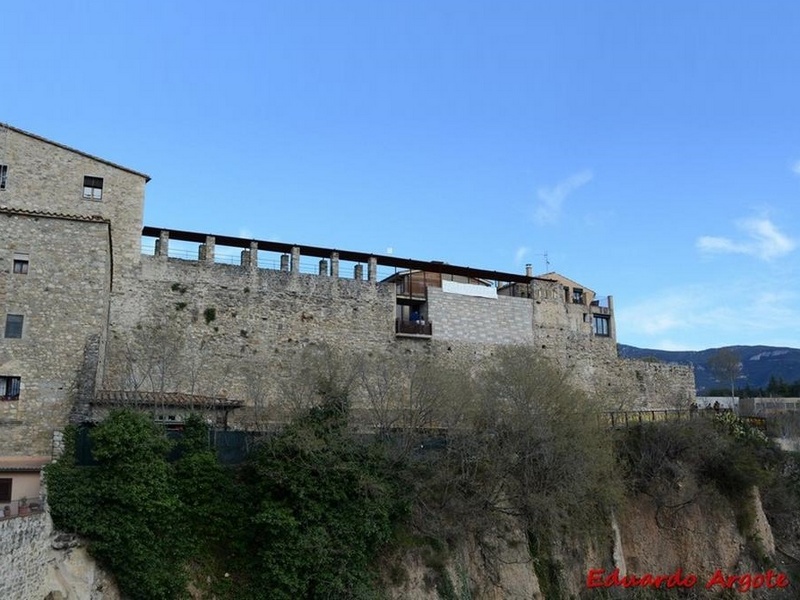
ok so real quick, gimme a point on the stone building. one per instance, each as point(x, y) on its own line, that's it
point(87, 314)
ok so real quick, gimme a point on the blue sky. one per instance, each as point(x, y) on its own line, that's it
point(651, 150)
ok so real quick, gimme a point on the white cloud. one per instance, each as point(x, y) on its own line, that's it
point(761, 239)
point(520, 254)
point(717, 244)
point(245, 233)
point(551, 199)
point(796, 167)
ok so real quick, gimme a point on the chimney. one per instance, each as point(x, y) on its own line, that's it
point(528, 270)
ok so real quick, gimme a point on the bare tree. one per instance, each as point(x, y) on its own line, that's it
point(257, 384)
point(149, 357)
point(531, 447)
point(318, 373)
point(410, 398)
point(726, 366)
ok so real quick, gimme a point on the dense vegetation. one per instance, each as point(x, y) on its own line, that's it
point(318, 511)
point(128, 506)
point(776, 388)
point(303, 518)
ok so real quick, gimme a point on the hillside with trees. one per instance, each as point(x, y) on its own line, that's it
point(765, 370)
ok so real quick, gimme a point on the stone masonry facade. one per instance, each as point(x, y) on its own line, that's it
point(98, 314)
point(501, 320)
point(25, 556)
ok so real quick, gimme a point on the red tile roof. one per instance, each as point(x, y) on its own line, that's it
point(157, 399)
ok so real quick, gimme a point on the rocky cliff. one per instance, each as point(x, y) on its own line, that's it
point(696, 544)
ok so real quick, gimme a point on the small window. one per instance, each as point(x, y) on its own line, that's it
point(3, 176)
point(5, 489)
point(9, 388)
point(93, 188)
point(577, 296)
point(601, 325)
point(14, 326)
point(21, 263)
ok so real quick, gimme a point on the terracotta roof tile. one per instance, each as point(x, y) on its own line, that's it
point(23, 463)
point(156, 399)
point(53, 215)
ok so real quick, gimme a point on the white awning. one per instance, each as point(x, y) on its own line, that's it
point(468, 289)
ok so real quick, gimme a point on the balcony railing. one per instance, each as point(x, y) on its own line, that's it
point(413, 327)
point(21, 508)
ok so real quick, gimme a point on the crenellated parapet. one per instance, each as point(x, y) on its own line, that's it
point(94, 301)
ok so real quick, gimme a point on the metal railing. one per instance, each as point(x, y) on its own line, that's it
point(413, 327)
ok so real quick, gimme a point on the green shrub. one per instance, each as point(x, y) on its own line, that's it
point(126, 507)
point(322, 506)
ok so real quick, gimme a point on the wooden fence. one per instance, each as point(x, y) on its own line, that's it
point(626, 418)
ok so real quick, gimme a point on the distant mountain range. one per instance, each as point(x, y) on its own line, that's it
point(759, 363)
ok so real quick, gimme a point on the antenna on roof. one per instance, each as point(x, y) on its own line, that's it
point(546, 261)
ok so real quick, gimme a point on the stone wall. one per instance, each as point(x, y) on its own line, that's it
point(226, 329)
point(637, 384)
point(37, 562)
point(48, 177)
point(24, 546)
point(64, 302)
point(242, 332)
point(564, 329)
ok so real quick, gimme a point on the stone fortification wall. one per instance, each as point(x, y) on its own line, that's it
point(227, 329)
point(501, 320)
point(610, 383)
point(637, 384)
point(217, 329)
point(564, 329)
point(63, 299)
point(44, 176)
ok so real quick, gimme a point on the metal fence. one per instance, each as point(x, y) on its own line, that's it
point(231, 447)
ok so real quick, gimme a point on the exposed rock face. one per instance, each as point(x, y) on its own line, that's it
point(37, 562)
point(698, 539)
point(73, 573)
point(761, 529)
point(496, 566)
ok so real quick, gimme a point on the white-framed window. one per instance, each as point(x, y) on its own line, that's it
point(9, 388)
point(14, 326)
point(21, 261)
point(3, 176)
point(92, 187)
